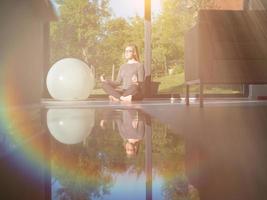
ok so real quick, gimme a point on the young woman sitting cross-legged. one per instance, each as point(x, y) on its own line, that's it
point(131, 75)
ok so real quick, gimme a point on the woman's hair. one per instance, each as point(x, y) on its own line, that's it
point(135, 51)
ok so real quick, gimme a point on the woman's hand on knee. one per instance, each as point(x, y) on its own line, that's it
point(102, 78)
point(134, 79)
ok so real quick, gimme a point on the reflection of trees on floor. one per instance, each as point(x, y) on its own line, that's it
point(93, 167)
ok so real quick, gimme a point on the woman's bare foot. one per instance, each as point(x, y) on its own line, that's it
point(111, 98)
point(126, 98)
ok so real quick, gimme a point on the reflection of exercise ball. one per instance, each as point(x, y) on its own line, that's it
point(70, 79)
point(70, 126)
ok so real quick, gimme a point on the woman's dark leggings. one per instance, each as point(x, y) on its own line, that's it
point(111, 89)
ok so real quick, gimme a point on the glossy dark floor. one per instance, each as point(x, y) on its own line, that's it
point(145, 151)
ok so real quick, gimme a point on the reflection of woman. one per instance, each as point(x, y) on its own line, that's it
point(131, 74)
point(131, 125)
point(132, 129)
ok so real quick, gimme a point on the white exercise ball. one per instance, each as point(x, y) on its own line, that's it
point(70, 79)
point(70, 126)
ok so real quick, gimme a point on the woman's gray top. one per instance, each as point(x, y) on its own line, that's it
point(126, 128)
point(126, 73)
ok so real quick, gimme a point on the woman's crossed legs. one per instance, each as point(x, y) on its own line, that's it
point(116, 94)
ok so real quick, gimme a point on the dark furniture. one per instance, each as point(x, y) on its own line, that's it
point(226, 47)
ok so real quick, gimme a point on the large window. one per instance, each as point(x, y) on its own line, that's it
point(97, 32)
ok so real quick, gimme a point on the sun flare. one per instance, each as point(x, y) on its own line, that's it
point(129, 8)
